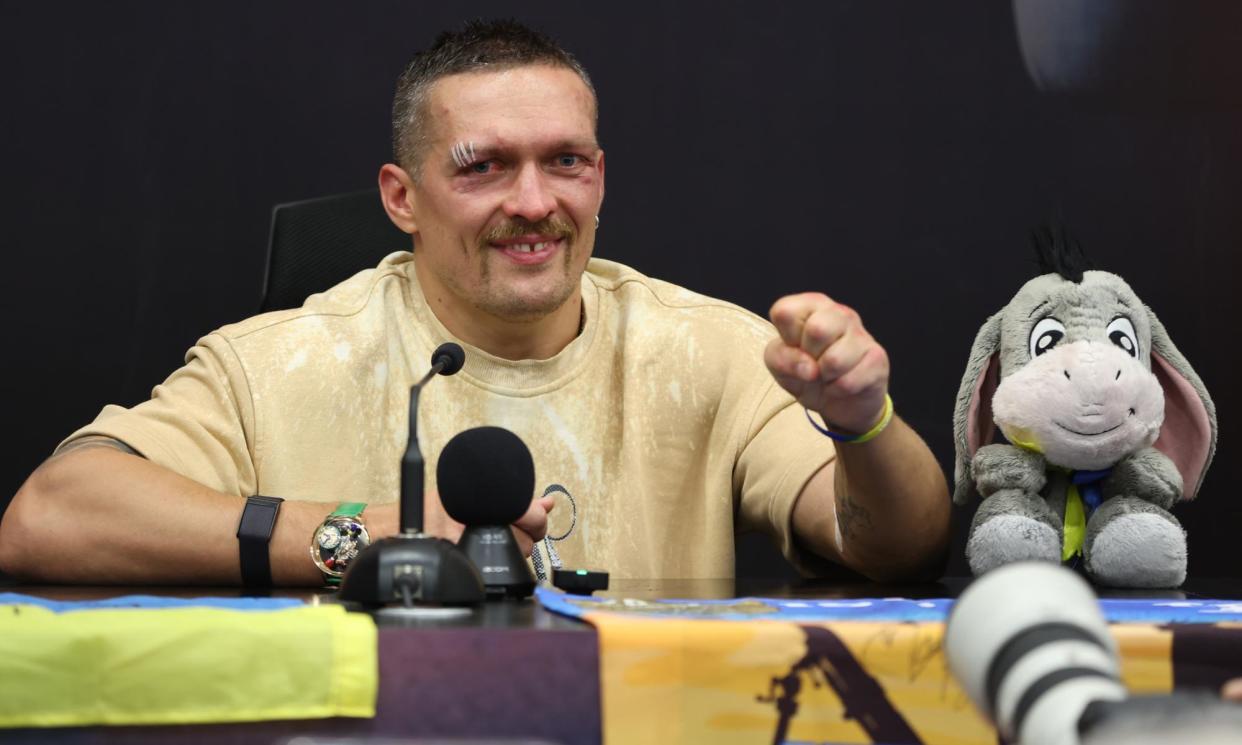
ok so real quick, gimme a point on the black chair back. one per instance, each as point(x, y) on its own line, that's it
point(317, 243)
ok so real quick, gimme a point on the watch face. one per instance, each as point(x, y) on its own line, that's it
point(329, 536)
point(337, 542)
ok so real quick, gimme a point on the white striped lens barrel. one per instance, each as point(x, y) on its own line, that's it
point(1028, 643)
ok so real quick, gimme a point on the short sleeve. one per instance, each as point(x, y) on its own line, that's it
point(780, 454)
point(196, 423)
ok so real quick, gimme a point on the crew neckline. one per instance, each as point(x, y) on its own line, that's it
point(511, 377)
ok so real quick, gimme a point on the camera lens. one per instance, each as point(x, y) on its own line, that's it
point(1031, 648)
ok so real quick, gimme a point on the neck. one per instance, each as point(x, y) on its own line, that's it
point(535, 338)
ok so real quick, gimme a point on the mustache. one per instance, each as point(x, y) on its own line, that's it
point(550, 226)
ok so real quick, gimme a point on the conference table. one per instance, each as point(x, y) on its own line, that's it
point(513, 672)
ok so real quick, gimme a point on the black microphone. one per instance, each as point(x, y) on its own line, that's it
point(486, 478)
point(446, 360)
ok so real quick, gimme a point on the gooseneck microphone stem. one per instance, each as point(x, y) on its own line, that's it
point(438, 365)
point(446, 360)
point(413, 470)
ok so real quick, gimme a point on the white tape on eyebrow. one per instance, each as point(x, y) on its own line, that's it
point(463, 154)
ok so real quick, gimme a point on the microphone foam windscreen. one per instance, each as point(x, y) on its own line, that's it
point(454, 357)
point(486, 477)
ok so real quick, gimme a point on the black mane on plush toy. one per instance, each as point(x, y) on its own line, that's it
point(1057, 253)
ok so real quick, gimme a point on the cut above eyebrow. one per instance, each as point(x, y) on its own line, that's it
point(463, 153)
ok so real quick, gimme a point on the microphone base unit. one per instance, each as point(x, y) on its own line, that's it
point(495, 552)
point(412, 571)
point(579, 581)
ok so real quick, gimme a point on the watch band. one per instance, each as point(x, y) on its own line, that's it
point(254, 531)
point(349, 509)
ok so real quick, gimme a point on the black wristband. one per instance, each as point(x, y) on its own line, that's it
point(253, 534)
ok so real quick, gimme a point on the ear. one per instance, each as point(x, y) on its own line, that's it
point(1188, 435)
point(397, 193)
point(600, 167)
point(972, 415)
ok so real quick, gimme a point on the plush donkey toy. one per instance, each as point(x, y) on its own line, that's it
point(1109, 426)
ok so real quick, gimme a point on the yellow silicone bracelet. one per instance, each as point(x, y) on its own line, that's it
point(885, 417)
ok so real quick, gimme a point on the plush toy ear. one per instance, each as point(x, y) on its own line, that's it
point(972, 415)
point(1188, 435)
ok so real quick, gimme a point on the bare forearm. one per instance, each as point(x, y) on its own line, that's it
point(882, 508)
point(99, 516)
point(892, 504)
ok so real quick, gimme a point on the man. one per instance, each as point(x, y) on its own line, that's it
point(661, 421)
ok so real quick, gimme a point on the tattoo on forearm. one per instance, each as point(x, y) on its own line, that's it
point(852, 516)
point(93, 441)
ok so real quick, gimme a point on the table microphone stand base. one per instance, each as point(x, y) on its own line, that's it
point(413, 571)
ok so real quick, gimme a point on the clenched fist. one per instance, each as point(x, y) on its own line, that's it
point(828, 361)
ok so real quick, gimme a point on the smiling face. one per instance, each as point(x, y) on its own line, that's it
point(503, 213)
point(1076, 382)
point(1083, 405)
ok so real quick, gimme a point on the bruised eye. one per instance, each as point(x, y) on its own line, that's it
point(1047, 334)
point(482, 167)
point(1121, 332)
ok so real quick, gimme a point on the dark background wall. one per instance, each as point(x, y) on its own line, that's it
point(892, 154)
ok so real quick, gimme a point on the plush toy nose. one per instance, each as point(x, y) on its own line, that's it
point(1094, 370)
point(1068, 377)
point(1083, 405)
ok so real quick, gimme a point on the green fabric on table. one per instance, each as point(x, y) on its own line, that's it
point(184, 665)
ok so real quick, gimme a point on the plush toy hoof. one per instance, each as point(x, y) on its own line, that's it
point(1142, 550)
point(1005, 539)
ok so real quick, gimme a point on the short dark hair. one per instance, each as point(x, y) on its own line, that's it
point(479, 45)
